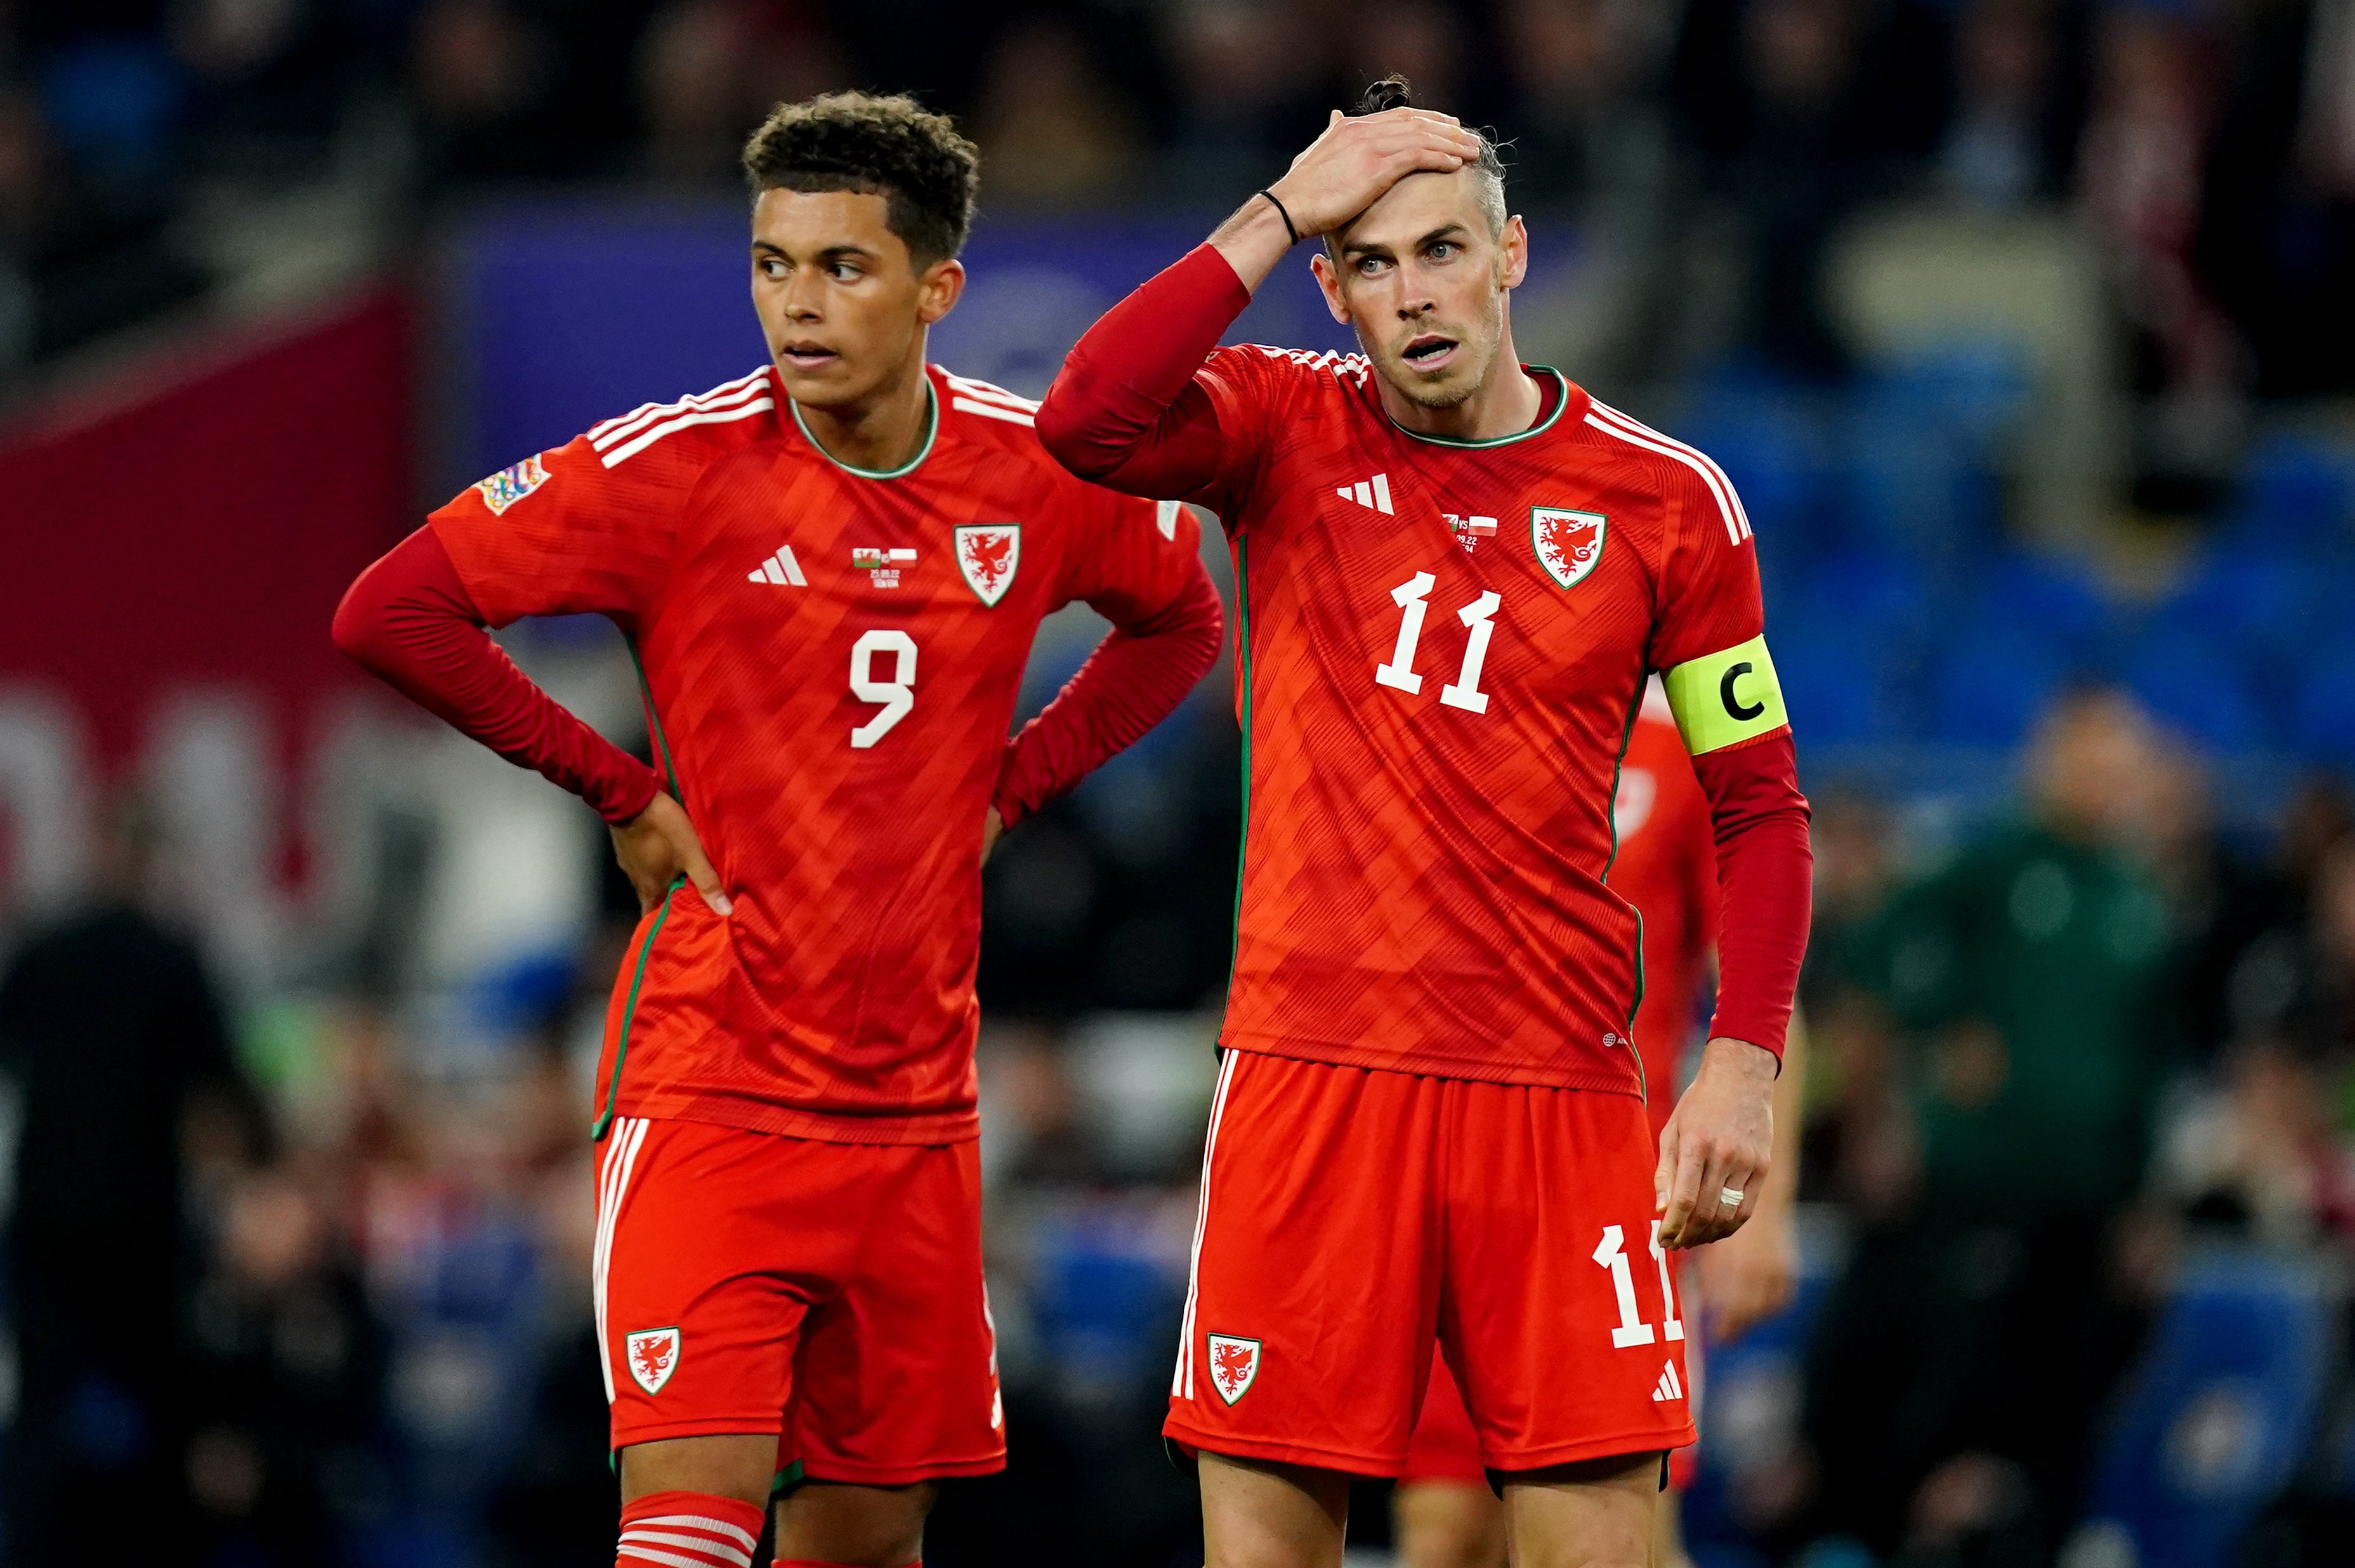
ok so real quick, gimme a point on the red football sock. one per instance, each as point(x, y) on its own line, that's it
point(688, 1530)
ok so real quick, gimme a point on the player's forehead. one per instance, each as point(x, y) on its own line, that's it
point(807, 223)
point(1418, 206)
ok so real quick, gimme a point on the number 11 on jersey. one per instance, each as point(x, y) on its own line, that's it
point(1479, 619)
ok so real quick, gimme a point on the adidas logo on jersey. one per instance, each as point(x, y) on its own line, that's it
point(781, 568)
point(1374, 492)
point(1669, 1387)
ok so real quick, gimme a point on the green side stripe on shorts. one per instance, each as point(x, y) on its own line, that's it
point(1724, 697)
point(630, 1013)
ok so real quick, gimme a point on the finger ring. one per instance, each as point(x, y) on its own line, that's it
point(1730, 1195)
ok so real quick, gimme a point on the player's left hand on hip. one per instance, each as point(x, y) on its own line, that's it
point(1718, 1144)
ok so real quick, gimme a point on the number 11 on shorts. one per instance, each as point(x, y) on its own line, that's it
point(1612, 1253)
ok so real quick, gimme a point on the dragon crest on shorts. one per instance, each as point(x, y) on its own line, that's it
point(653, 1356)
point(1234, 1364)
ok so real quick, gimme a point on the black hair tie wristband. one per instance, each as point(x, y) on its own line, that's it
point(1280, 212)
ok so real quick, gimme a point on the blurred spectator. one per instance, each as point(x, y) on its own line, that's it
point(709, 70)
point(1585, 125)
point(1967, 1351)
point(481, 74)
point(2008, 144)
point(1421, 40)
point(1765, 87)
point(2248, 965)
point(114, 1038)
point(2139, 179)
point(2263, 1154)
point(1589, 140)
point(2277, 225)
point(284, 1376)
point(1048, 132)
point(269, 78)
point(1244, 76)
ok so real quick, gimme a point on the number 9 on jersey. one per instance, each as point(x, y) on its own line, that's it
point(897, 695)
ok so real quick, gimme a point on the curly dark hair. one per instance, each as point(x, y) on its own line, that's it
point(892, 147)
point(1393, 91)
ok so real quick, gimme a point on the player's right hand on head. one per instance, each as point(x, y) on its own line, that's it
point(657, 847)
point(1346, 169)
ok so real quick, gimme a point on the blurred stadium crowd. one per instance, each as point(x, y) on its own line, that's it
point(2027, 328)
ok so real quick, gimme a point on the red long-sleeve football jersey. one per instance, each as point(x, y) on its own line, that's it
point(831, 658)
point(1442, 644)
point(1445, 645)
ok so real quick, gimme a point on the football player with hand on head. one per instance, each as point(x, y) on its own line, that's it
point(830, 571)
point(1454, 574)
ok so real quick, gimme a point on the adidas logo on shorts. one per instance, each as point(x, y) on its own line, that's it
point(1669, 1387)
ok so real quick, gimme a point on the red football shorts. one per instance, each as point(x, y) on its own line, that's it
point(829, 1294)
point(1349, 1215)
point(1444, 1447)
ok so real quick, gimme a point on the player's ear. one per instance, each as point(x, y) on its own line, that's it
point(939, 287)
point(1515, 243)
point(1328, 278)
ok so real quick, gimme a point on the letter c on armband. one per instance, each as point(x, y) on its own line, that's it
point(1722, 699)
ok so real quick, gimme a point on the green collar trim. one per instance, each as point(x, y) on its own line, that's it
point(1539, 429)
point(931, 434)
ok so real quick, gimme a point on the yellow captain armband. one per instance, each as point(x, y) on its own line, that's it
point(1724, 697)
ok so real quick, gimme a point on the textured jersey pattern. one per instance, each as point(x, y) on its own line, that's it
point(1442, 647)
point(1667, 868)
point(831, 659)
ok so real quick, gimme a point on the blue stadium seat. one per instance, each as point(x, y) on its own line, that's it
point(1831, 682)
point(1847, 631)
point(2265, 602)
point(1990, 681)
point(1773, 448)
point(1103, 1295)
point(2323, 720)
point(2055, 597)
point(2200, 686)
point(1922, 429)
point(2213, 1421)
point(2297, 492)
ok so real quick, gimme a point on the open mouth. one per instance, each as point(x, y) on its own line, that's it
point(806, 356)
point(1430, 351)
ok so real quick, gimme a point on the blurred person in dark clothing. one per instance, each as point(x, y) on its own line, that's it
point(707, 71)
point(284, 1377)
point(2018, 106)
point(1803, 108)
point(2140, 173)
point(1244, 72)
point(115, 1039)
point(1965, 1352)
point(2248, 966)
point(2276, 237)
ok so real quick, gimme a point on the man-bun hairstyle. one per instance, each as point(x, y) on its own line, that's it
point(892, 147)
point(1393, 91)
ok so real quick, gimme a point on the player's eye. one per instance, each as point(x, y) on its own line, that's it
point(772, 268)
point(1443, 250)
point(1371, 266)
point(843, 272)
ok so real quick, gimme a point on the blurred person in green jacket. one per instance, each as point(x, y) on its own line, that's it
point(1965, 1352)
point(2029, 971)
